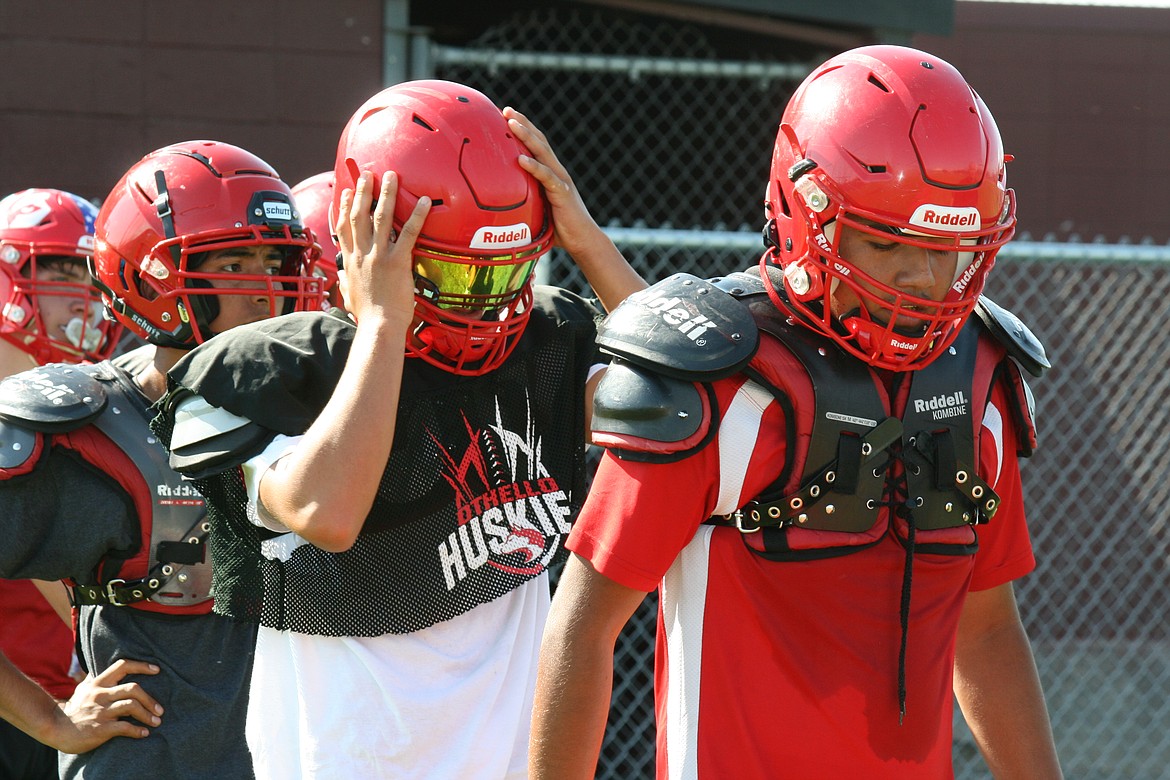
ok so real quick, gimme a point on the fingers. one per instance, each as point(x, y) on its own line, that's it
point(122, 667)
point(531, 136)
point(552, 182)
point(359, 211)
point(543, 163)
point(344, 235)
point(524, 128)
point(110, 691)
point(413, 227)
point(122, 728)
point(384, 211)
point(131, 701)
point(365, 235)
point(103, 707)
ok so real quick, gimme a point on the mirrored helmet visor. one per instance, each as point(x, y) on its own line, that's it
point(484, 282)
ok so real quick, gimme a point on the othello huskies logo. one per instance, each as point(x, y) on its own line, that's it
point(672, 311)
point(511, 511)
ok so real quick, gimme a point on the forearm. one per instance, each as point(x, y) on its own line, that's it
point(607, 271)
point(999, 691)
point(25, 704)
point(575, 678)
point(324, 489)
point(571, 708)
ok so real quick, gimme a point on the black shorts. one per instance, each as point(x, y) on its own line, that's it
point(23, 758)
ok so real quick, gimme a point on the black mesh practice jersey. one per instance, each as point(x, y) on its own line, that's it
point(485, 473)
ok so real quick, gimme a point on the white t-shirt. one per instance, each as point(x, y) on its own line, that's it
point(451, 701)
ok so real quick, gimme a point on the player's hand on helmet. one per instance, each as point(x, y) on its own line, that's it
point(99, 707)
point(376, 276)
point(574, 225)
point(610, 276)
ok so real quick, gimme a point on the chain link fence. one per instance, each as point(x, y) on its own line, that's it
point(670, 142)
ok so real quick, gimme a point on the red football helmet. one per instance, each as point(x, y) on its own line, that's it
point(313, 197)
point(48, 311)
point(488, 223)
point(178, 203)
point(893, 142)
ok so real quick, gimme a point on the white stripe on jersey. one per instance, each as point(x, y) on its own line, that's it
point(993, 423)
point(738, 432)
point(683, 600)
point(684, 588)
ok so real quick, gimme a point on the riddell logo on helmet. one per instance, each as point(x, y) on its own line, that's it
point(503, 237)
point(956, 220)
point(961, 284)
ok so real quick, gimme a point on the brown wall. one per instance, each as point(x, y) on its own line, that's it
point(87, 88)
point(1082, 98)
point(1082, 94)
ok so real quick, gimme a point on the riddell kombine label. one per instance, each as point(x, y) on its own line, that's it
point(956, 220)
point(943, 406)
point(503, 237)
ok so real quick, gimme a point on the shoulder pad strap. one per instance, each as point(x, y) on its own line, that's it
point(207, 439)
point(1020, 342)
point(53, 398)
point(656, 416)
point(683, 327)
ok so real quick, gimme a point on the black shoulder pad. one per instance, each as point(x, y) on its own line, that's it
point(279, 372)
point(204, 439)
point(53, 398)
point(17, 445)
point(1007, 328)
point(683, 327)
point(565, 306)
point(633, 402)
point(740, 284)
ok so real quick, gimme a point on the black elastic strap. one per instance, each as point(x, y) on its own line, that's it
point(167, 214)
point(945, 465)
point(848, 464)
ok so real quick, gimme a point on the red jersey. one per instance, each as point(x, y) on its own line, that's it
point(35, 638)
point(790, 669)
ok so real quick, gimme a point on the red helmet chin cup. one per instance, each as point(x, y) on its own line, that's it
point(463, 344)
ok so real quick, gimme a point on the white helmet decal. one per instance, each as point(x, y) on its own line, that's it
point(504, 237)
